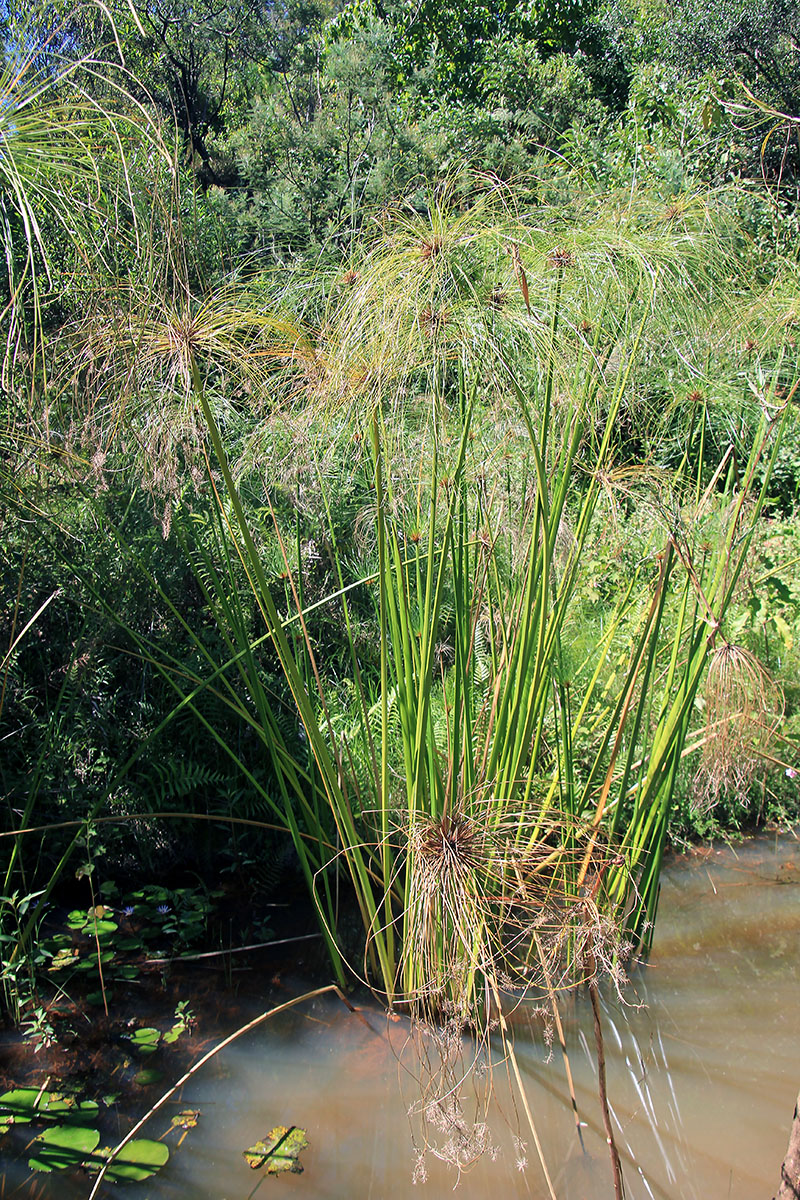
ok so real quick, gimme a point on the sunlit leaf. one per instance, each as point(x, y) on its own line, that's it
point(279, 1152)
point(186, 1119)
point(138, 1160)
point(62, 1147)
point(146, 1040)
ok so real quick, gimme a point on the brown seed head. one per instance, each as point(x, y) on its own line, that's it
point(430, 248)
point(433, 321)
point(561, 258)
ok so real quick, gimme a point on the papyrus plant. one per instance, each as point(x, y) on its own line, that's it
point(485, 853)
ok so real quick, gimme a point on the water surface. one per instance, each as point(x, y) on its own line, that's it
point(702, 1075)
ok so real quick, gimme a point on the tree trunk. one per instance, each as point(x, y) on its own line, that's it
point(790, 1171)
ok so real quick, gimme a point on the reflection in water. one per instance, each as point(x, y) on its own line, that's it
point(702, 1076)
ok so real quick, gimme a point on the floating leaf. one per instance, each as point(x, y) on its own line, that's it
point(129, 943)
point(19, 1107)
point(62, 1147)
point(186, 1119)
point(64, 958)
point(101, 928)
point(140, 1159)
point(146, 1040)
point(90, 962)
point(279, 1152)
point(87, 1110)
point(148, 1076)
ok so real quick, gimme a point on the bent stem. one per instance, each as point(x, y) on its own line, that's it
point(331, 987)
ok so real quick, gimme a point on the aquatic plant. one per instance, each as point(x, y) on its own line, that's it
point(459, 770)
point(68, 1141)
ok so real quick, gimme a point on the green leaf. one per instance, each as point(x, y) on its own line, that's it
point(148, 1076)
point(86, 964)
point(279, 1152)
point(711, 114)
point(146, 1040)
point(129, 943)
point(62, 1147)
point(19, 1107)
point(68, 1108)
point(780, 589)
point(102, 927)
point(97, 997)
point(138, 1160)
point(66, 957)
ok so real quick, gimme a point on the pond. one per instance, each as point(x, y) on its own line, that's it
point(703, 1071)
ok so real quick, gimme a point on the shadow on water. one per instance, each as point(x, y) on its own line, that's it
point(703, 1069)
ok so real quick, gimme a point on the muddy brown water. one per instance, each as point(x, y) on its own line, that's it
point(703, 1072)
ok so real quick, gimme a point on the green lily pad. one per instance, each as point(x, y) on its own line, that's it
point(140, 1159)
point(62, 1147)
point(103, 928)
point(18, 1107)
point(279, 1152)
point(21, 1106)
point(86, 1110)
point(148, 1076)
point(90, 962)
point(146, 1040)
point(55, 1106)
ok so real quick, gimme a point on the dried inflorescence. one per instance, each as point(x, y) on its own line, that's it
point(743, 709)
point(430, 248)
point(498, 298)
point(498, 912)
point(561, 258)
point(433, 321)
point(494, 913)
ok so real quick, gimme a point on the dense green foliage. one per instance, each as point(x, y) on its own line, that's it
point(331, 334)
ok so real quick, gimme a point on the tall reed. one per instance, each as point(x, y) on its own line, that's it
point(500, 825)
